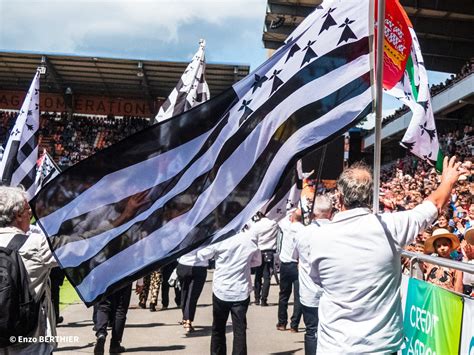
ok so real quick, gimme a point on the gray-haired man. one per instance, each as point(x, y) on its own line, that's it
point(15, 215)
point(356, 260)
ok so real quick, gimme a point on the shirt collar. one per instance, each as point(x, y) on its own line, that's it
point(354, 212)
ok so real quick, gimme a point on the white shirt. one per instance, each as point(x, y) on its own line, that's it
point(234, 258)
point(356, 260)
point(266, 232)
point(190, 259)
point(310, 293)
point(288, 242)
point(468, 279)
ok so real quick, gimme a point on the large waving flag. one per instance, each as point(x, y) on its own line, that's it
point(405, 78)
point(191, 90)
point(18, 165)
point(201, 176)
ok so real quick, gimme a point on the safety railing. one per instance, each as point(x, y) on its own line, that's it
point(452, 264)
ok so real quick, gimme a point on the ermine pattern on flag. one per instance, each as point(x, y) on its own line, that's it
point(191, 89)
point(199, 177)
point(18, 165)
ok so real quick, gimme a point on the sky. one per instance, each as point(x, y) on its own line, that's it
point(143, 29)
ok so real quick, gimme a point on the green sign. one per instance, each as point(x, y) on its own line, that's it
point(432, 320)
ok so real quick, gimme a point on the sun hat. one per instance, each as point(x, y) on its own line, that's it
point(441, 233)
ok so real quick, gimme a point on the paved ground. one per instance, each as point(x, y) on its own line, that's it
point(149, 332)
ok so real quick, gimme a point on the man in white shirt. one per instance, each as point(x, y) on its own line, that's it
point(310, 293)
point(15, 215)
point(231, 287)
point(266, 231)
point(356, 260)
point(291, 225)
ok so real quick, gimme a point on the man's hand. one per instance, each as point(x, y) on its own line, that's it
point(451, 171)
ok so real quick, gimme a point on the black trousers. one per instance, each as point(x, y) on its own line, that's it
point(289, 281)
point(166, 272)
point(263, 272)
point(220, 314)
point(114, 306)
point(57, 278)
point(192, 279)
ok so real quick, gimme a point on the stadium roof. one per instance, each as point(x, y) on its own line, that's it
point(131, 78)
point(444, 28)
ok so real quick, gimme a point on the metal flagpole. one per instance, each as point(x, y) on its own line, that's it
point(378, 102)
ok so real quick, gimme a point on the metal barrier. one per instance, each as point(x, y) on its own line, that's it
point(458, 265)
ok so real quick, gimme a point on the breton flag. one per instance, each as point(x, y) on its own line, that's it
point(18, 165)
point(201, 176)
point(405, 78)
point(191, 90)
point(288, 196)
point(46, 171)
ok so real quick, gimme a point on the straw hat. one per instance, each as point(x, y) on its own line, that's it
point(441, 233)
point(469, 235)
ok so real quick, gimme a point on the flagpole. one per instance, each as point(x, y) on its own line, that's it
point(378, 103)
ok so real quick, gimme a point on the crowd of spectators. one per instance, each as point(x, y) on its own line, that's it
point(69, 141)
point(435, 89)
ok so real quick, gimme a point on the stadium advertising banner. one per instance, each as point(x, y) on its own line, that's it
point(91, 105)
point(433, 318)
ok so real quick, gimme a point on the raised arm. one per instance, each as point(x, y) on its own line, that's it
point(440, 197)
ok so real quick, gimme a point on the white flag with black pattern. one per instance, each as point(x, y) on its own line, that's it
point(18, 165)
point(191, 90)
point(199, 177)
point(46, 171)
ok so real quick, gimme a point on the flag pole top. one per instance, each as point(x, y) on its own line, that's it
point(202, 42)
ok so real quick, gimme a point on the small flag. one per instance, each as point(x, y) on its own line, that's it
point(200, 177)
point(46, 171)
point(191, 90)
point(405, 78)
point(18, 165)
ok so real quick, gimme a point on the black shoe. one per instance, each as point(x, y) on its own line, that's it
point(116, 348)
point(59, 320)
point(142, 305)
point(152, 307)
point(99, 345)
point(257, 302)
point(264, 304)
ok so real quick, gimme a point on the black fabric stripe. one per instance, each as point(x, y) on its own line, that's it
point(166, 105)
point(247, 187)
point(29, 178)
point(141, 146)
point(11, 163)
point(316, 69)
point(28, 147)
point(280, 193)
point(196, 242)
point(180, 103)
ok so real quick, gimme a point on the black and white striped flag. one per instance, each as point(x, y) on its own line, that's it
point(46, 171)
point(18, 165)
point(191, 90)
point(138, 204)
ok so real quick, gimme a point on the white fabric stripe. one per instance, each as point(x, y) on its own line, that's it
point(170, 163)
point(72, 254)
point(159, 243)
